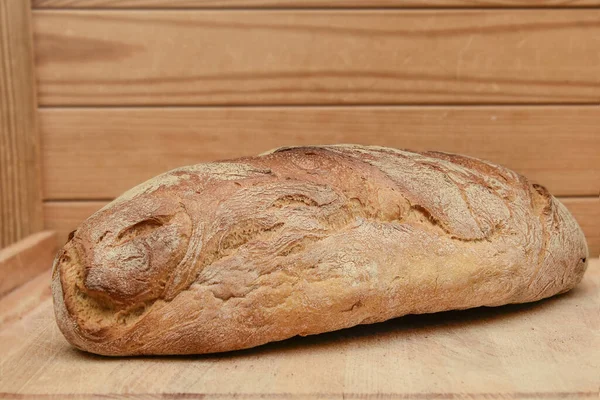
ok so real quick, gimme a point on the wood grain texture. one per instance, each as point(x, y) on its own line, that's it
point(20, 301)
point(317, 57)
point(100, 153)
point(20, 185)
point(25, 259)
point(544, 350)
point(306, 3)
point(65, 216)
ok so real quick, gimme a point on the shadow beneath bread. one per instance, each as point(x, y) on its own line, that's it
point(421, 325)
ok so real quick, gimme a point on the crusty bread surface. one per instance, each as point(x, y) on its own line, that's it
point(299, 241)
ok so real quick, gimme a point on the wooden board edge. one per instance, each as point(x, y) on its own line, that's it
point(25, 259)
point(284, 4)
point(20, 301)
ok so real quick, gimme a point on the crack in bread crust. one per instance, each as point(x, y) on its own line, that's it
point(306, 240)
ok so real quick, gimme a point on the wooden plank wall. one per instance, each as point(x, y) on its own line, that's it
point(20, 177)
point(129, 89)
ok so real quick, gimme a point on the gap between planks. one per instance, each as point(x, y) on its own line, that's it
point(310, 4)
point(277, 106)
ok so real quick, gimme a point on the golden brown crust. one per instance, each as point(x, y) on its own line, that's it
point(299, 241)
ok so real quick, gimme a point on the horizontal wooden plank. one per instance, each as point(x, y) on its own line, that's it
point(100, 153)
point(25, 259)
point(306, 3)
point(317, 57)
point(64, 217)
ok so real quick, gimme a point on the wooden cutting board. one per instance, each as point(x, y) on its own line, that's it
point(545, 350)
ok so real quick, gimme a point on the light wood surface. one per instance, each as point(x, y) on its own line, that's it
point(306, 3)
point(25, 259)
point(19, 302)
point(65, 216)
point(317, 57)
point(544, 350)
point(20, 185)
point(100, 153)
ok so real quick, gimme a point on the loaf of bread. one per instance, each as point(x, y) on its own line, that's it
point(298, 241)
